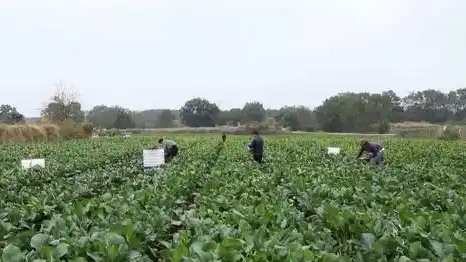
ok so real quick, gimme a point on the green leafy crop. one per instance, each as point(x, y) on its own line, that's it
point(93, 202)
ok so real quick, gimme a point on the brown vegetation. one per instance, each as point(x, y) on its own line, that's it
point(44, 131)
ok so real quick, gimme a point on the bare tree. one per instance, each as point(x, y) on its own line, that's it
point(63, 105)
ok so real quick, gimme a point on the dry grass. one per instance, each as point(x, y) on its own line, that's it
point(422, 129)
point(411, 124)
point(46, 131)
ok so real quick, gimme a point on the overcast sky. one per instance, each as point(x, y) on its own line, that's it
point(160, 53)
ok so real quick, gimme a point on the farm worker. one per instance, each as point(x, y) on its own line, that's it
point(256, 147)
point(170, 147)
point(224, 137)
point(375, 151)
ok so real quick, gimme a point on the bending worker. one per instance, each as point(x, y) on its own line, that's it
point(256, 147)
point(170, 149)
point(374, 150)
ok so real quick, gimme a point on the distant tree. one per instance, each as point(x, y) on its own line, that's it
point(64, 105)
point(199, 112)
point(9, 115)
point(297, 118)
point(306, 119)
point(272, 112)
point(287, 117)
point(123, 119)
point(457, 104)
point(383, 127)
point(103, 116)
point(165, 119)
point(429, 105)
point(230, 117)
point(148, 118)
point(346, 112)
point(253, 112)
point(359, 112)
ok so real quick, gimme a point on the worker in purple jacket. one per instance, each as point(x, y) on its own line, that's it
point(375, 151)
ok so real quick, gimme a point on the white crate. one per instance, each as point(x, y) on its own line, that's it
point(153, 158)
point(333, 150)
point(29, 163)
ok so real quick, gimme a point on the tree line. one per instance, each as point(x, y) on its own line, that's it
point(344, 112)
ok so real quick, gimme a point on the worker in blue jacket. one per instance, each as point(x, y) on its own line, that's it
point(256, 147)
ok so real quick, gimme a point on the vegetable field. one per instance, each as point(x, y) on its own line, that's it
point(93, 202)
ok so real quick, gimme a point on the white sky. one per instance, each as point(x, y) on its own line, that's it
point(158, 54)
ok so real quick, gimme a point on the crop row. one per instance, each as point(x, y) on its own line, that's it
point(306, 206)
point(53, 214)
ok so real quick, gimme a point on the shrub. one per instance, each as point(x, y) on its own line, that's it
point(70, 129)
point(383, 127)
point(450, 133)
point(88, 129)
point(51, 131)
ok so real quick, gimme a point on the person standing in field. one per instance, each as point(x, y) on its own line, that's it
point(256, 147)
point(224, 137)
point(374, 150)
point(170, 149)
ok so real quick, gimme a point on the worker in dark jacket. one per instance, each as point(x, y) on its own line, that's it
point(374, 150)
point(224, 137)
point(170, 149)
point(256, 147)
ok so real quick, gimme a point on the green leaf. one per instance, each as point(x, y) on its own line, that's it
point(232, 243)
point(79, 259)
point(448, 259)
point(330, 257)
point(404, 259)
point(60, 250)
point(176, 222)
point(284, 223)
point(180, 251)
point(106, 197)
point(12, 253)
point(437, 247)
point(38, 240)
point(460, 245)
point(236, 212)
point(414, 249)
point(308, 255)
point(134, 255)
point(95, 256)
point(6, 227)
point(197, 248)
point(367, 239)
point(114, 239)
